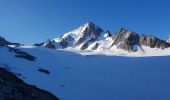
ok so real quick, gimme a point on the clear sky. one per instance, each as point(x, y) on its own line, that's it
point(30, 21)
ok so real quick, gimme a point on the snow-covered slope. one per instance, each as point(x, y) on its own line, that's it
point(71, 76)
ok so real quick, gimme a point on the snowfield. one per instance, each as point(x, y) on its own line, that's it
point(142, 52)
point(92, 76)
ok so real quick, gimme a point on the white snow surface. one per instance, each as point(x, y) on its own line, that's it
point(103, 49)
point(88, 75)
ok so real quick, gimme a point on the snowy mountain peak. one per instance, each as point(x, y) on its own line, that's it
point(126, 40)
point(91, 37)
point(88, 29)
point(88, 24)
point(81, 36)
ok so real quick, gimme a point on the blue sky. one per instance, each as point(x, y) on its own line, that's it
point(30, 21)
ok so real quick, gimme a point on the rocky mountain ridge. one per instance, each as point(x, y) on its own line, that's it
point(90, 37)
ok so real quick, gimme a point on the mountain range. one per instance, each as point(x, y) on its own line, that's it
point(93, 38)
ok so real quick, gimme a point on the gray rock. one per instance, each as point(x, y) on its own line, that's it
point(86, 45)
point(21, 54)
point(107, 34)
point(128, 41)
point(153, 42)
point(12, 88)
point(64, 43)
point(4, 42)
point(44, 71)
point(95, 46)
point(49, 44)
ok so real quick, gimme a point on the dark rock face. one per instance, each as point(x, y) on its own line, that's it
point(12, 88)
point(127, 41)
point(49, 44)
point(107, 34)
point(38, 44)
point(21, 54)
point(4, 42)
point(153, 42)
point(95, 46)
point(85, 46)
point(44, 71)
point(64, 43)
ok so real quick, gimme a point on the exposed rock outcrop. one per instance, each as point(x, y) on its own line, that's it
point(64, 42)
point(95, 46)
point(4, 42)
point(153, 42)
point(21, 54)
point(107, 35)
point(49, 44)
point(12, 88)
point(128, 41)
point(44, 71)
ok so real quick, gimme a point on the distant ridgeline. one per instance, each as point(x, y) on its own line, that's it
point(92, 37)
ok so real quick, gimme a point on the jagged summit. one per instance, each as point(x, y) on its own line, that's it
point(131, 41)
point(126, 40)
point(80, 37)
point(86, 29)
point(89, 24)
point(91, 37)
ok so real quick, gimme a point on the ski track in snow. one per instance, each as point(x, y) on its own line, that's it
point(93, 77)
